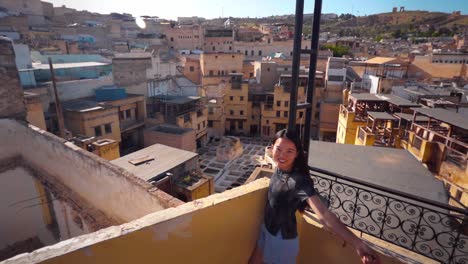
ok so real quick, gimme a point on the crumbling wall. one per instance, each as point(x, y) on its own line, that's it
point(119, 194)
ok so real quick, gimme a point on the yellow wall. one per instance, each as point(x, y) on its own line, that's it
point(35, 112)
point(222, 228)
point(347, 127)
point(424, 153)
point(84, 122)
point(236, 106)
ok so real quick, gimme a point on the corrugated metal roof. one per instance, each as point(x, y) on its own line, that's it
point(445, 116)
point(164, 159)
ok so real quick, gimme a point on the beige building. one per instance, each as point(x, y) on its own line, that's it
point(171, 135)
point(185, 37)
point(121, 120)
point(130, 71)
point(216, 67)
point(218, 40)
point(183, 111)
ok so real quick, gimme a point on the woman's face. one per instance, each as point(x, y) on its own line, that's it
point(284, 154)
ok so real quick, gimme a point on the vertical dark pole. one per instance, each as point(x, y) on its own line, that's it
point(312, 68)
point(296, 64)
point(58, 106)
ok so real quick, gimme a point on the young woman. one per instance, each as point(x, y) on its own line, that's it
point(291, 186)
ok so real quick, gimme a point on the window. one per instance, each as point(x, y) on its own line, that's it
point(241, 124)
point(278, 113)
point(210, 123)
point(301, 114)
point(198, 126)
point(259, 53)
point(251, 53)
point(241, 112)
point(128, 114)
point(458, 195)
point(122, 115)
point(213, 48)
point(241, 98)
point(210, 110)
point(246, 53)
point(278, 103)
point(231, 98)
point(231, 112)
point(286, 113)
point(108, 128)
point(204, 124)
point(192, 68)
point(267, 121)
point(211, 73)
point(172, 39)
point(97, 131)
point(268, 69)
point(286, 103)
point(230, 48)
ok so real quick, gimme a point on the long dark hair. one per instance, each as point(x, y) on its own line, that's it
point(300, 163)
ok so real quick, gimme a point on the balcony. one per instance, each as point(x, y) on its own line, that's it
point(384, 137)
point(223, 228)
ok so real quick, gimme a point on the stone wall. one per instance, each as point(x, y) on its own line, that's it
point(11, 93)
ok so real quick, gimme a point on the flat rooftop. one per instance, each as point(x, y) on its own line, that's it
point(69, 65)
point(153, 160)
point(170, 129)
point(366, 97)
point(445, 116)
point(381, 115)
point(391, 168)
point(170, 99)
point(398, 101)
point(409, 117)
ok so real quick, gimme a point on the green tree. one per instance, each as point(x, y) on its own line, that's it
point(338, 50)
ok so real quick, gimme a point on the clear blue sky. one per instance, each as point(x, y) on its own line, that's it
point(172, 9)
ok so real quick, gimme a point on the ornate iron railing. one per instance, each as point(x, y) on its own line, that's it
point(435, 230)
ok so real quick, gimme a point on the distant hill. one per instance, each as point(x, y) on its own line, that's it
point(400, 24)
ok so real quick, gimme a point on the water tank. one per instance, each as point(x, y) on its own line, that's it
point(110, 93)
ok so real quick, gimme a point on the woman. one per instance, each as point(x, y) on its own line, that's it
point(291, 186)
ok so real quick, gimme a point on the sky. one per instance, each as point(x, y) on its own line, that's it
point(171, 9)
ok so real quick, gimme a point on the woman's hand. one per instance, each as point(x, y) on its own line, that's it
point(367, 255)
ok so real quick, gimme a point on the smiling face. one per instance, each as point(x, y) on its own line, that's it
point(284, 154)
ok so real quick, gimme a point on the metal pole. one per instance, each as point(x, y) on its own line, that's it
point(312, 68)
point(58, 106)
point(296, 64)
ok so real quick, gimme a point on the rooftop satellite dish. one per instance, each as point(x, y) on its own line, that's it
point(140, 22)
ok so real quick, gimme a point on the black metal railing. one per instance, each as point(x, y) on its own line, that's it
point(433, 229)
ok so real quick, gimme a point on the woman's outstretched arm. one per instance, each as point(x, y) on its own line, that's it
point(332, 223)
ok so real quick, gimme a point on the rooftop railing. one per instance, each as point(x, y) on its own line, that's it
point(433, 229)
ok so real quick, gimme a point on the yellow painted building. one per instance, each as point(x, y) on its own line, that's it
point(34, 110)
point(237, 107)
